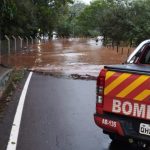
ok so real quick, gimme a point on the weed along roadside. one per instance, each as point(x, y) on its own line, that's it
point(5, 74)
point(14, 78)
point(9, 82)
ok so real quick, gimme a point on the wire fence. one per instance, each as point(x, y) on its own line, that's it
point(13, 44)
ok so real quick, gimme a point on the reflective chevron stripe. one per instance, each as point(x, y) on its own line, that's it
point(126, 85)
point(143, 95)
point(109, 74)
point(116, 82)
point(132, 86)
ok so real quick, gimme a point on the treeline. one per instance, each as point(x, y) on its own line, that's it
point(126, 21)
point(27, 17)
point(118, 21)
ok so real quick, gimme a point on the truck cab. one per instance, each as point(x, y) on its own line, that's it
point(141, 55)
point(123, 98)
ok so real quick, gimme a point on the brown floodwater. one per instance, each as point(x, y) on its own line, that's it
point(67, 56)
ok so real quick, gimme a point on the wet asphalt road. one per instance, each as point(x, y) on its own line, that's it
point(58, 115)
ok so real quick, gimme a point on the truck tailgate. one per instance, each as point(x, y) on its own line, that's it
point(127, 90)
point(130, 68)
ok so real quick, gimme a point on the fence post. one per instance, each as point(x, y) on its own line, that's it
point(7, 38)
point(20, 41)
point(27, 41)
point(117, 48)
point(37, 40)
point(31, 40)
point(122, 51)
point(15, 43)
point(0, 51)
point(128, 52)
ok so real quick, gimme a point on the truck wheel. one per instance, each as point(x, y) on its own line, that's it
point(112, 136)
point(120, 145)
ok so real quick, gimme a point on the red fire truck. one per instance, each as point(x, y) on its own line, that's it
point(123, 98)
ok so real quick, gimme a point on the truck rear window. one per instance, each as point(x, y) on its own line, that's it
point(145, 56)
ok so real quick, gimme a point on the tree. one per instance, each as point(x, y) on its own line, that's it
point(66, 25)
point(7, 12)
point(118, 20)
point(25, 17)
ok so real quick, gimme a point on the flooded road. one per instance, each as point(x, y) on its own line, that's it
point(67, 56)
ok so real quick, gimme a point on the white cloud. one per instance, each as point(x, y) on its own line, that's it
point(85, 1)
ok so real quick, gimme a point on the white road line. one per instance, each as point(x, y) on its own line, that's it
point(12, 143)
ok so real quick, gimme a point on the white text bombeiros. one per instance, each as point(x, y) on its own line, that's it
point(131, 109)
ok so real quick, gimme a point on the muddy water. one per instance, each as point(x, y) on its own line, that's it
point(67, 56)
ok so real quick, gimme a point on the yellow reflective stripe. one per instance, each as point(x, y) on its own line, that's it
point(132, 86)
point(116, 82)
point(109, 74)
point(142, 95)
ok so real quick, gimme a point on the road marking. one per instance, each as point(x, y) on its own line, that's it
point(12, 143)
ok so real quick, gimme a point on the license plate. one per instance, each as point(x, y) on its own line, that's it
point(144, 129)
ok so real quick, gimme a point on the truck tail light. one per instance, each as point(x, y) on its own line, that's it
point(100, 90)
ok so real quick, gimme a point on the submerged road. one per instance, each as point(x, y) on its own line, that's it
point(58, 115)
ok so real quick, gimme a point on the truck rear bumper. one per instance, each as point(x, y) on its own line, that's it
point(108, 124)
point(127, 128)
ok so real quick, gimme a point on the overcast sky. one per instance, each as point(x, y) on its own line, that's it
point(85, 1)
